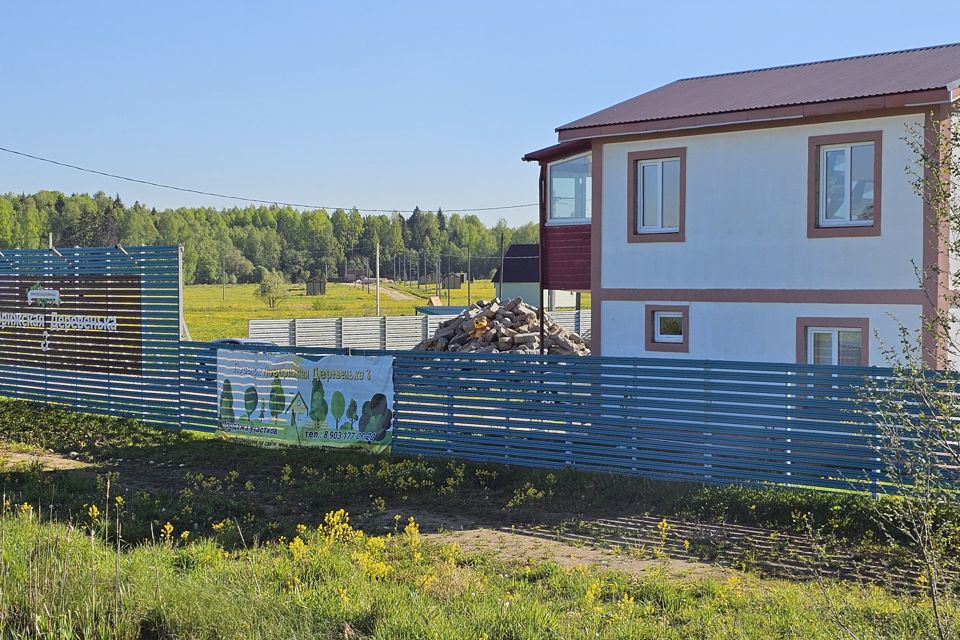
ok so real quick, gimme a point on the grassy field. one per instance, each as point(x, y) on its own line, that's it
point(214, 312)
point(111, 529)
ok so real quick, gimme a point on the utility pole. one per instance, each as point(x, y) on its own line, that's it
point(378, 279)
point(500, 291)
point(223, 275)
point(438, 275)
point(469, 278)
point(448, 278)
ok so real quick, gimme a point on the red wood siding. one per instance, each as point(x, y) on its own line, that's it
point(567, 257)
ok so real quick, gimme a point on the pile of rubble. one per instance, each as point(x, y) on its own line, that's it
point(503, 327)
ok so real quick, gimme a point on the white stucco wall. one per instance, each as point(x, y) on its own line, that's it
point(759, 332)
point(529, 291)
point(746, 217)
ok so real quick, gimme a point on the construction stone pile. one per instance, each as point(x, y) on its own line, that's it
point(503, 327)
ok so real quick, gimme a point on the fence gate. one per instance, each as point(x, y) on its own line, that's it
point(94, 329)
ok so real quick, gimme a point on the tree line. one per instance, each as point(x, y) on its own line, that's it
point(240, 245)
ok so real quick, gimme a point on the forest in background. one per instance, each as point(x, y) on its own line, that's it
point(242, 244)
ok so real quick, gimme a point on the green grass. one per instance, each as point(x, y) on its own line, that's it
point(67, 570)
point(198, 479)
point(330, 582)
point(212, 311)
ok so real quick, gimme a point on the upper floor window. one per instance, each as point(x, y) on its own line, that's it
point(844, 175)
point(656, 195)
point(570, 189)
point(846, 184)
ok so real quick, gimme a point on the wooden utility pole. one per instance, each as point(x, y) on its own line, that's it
point(469, 278)
point(378, 279)
point(448, 279)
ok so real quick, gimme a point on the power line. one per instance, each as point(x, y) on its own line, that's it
point(255, 200)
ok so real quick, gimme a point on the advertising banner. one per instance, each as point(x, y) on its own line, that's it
point(284, 399)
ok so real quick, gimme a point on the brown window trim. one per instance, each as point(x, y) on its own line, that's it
point(655, 154)
point(814, 230)
point(676, 347)
point(803, 324)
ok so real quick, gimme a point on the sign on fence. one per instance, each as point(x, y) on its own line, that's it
point(281, 398)
point(69, 323)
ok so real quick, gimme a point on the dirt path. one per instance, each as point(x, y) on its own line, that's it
point(393, 294)
point(518, 546)
point(12, 459)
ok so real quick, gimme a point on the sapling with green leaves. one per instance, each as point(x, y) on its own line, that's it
point(337, 407)
point(278, 399)
point(915, 409)
point(250, 401)
point(226, 402)
point(318, 402)
point(352, 413)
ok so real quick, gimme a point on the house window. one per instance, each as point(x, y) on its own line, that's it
point(571, 189)
point(833, 341)
point(656, 195)
point(846, 184)
point(834, 346)
point(844, 198)
point(667, 328)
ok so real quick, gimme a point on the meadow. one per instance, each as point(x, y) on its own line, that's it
point(213, 311)
point(113, 529)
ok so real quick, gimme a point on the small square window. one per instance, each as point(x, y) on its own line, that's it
point(667, 327)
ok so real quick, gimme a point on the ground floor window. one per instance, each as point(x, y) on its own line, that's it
point(667, 328)
point(833, 341)
point(834, 346)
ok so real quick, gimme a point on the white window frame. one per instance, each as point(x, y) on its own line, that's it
point(658, 228)
point(822, 212)
point(551, 221)
point(835, 333)
point(667, 339)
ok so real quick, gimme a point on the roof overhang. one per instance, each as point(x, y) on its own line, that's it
point(556, 151)
point(855, 107)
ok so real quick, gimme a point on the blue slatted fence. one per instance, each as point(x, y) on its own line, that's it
point(719, 422)
point(133, 370)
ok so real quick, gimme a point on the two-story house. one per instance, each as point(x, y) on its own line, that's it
point(757, 216)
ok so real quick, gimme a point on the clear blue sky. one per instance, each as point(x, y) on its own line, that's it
point(373, 104)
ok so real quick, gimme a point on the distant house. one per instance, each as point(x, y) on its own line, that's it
point(521, 278)
point(760, 215)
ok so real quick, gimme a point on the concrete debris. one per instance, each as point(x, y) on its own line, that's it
point(504, 327)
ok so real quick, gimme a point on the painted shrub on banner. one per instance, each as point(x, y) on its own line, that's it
point(334, 401)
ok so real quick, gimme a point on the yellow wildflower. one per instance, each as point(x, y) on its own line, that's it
point(93, 512)
point(298, 548)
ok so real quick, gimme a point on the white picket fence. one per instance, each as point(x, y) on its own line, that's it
point(395, 333)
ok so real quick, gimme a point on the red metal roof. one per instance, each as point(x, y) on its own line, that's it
point(881, 74)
